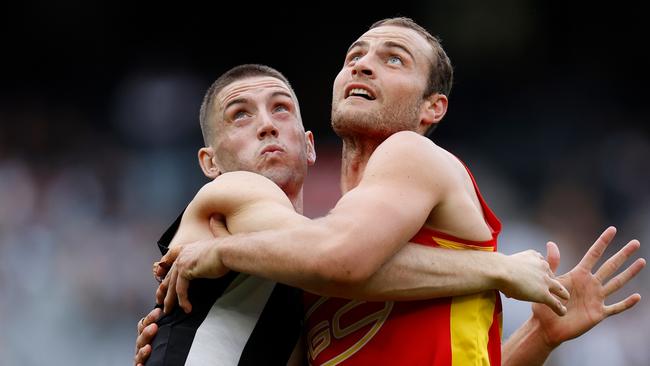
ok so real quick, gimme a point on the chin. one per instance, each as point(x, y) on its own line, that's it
point(359, 125)
point(372, 123)
point(280, 176)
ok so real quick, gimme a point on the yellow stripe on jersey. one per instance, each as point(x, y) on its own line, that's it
point(444, 243)
point(470, 321)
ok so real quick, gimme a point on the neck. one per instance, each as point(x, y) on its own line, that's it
point(355, 156)
point(295, 196)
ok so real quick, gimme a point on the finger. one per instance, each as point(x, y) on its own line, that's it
point(162, 269)
point(616, 261)
point(622, 305)
point(557, 289)
point(553, 256)
point(142, 355)
point(182, 286)
point(622, 278)
point(146, 336)
point(153, 316)
point(162, 290)
point(555, 304)
point(170, 257)
point(141, 325)
point(150, 318)
point(218, 227)
point(170, 298)
point(159, 271)
point(598, 248)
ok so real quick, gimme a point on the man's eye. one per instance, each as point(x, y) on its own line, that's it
point(281, 108)
point(354, 58)
point(240, 115)
point(395, 60)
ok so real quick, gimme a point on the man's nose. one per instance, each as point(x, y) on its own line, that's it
point(267, 127)
point(363, 66)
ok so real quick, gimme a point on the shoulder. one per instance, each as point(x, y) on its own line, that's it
point(407, 152)
point(245, 186)
point(242, 178)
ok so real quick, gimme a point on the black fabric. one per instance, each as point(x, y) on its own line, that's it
point(168, 235)
point(277, 329)
point(176, 330)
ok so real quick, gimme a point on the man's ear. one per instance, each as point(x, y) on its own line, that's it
point(433, 110)
point(208, 162)
point(311, 150)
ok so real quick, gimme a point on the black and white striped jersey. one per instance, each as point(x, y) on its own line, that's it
point(235, 320)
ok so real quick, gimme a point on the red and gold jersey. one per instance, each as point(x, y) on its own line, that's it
point(460, 330)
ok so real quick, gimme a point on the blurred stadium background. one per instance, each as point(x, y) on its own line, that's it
point(99, 132)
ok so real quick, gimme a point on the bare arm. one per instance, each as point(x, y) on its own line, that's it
point(365, 229)
point(419, 272)
point(367, 226)
point(343, 254)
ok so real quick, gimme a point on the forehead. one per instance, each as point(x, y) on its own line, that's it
point(408, 38)
point(251, 87)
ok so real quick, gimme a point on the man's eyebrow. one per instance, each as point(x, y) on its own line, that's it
point(235, 101)
point(391, 44)
point(281, 93)
point(357, 44)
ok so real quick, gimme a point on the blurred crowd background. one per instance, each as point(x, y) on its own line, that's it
point(99, 132)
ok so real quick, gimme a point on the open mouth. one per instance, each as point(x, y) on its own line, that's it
point(360, 92)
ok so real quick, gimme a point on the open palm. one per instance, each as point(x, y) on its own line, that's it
point(586, 306)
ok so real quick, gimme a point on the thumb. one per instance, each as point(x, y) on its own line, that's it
point(553, 256)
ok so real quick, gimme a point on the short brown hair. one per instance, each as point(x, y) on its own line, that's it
point(229, 77)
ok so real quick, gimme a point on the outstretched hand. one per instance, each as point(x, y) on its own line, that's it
point(588, 291)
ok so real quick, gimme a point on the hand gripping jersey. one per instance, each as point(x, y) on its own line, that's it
point(461, 330)
point(235, 320)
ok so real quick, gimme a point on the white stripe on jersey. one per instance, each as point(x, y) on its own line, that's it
point(221, 338)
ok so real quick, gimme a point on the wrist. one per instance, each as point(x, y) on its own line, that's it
point(218, 250)
point(536, 331)
point(500, 273)
point(527, 345)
